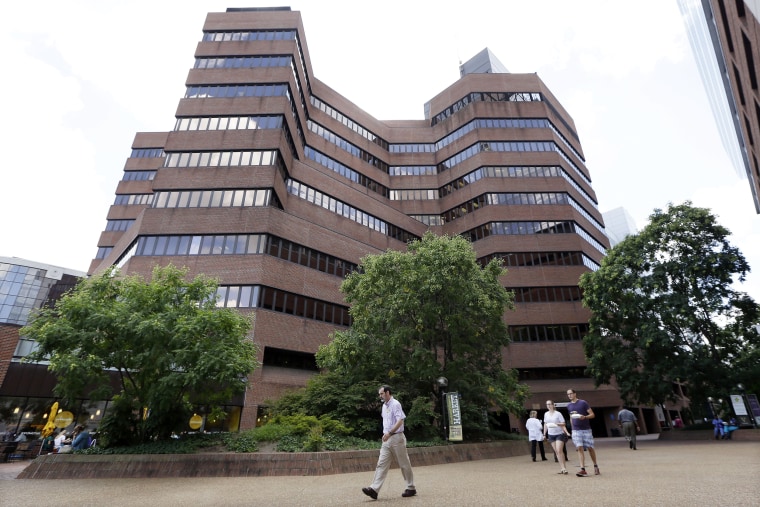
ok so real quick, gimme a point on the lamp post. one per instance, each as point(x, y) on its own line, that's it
point(442, 383)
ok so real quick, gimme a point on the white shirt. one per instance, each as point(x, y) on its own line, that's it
point(535, 429)
point(556, 418)
point(58, 442)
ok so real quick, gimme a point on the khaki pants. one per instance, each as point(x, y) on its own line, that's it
point(394, 447)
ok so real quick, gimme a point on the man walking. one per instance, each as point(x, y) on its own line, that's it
point(394, 443)
point(628, 422)
point(580, 414)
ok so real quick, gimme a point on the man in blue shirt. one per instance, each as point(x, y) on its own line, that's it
point(81, 438)
point(580, 414)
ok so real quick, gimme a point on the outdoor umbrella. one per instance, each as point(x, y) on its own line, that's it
point(49, 427)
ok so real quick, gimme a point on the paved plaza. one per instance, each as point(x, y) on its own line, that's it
point(659, 473)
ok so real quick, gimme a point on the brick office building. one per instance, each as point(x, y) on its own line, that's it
point(278, 185)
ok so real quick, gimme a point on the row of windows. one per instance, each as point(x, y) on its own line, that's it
point(504, 123)
point(514, 172)
point(243, 62)
point(523, 259)
point(580, 209)
point(129, 199)
point(501, 172)
point(546, 294)
point(340, 208)
point(147, 153)
point(221, 244)
point(412, 170)
point(485, 97)
point(347, 147)
point(259, 296)
point(213, 198)
point(537, 198)
point(243, 244)
point(238, 90)
point(548, 333)
point(422, 194)
point(492, 123)
point(230, 123)
point(506, 199)
point(418, 194)
point(551, 198)
point(500, 146)
point(138, 176)
point(333, 138)
point(220, 158)
point(256, 35)
point(478, 123)
point(429, 220)
point(523, 228)
point(258, 122)
point(323, 200)
point(103, 252)
point(249, 35)
point(345, 171)
point(412, 148)
point(509, 146)
point(119, 225)
point(348, 122)
point(299, 254)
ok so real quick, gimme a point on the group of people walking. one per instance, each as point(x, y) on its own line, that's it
point(555, 430)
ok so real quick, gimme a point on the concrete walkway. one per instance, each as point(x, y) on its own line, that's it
point(659, 473)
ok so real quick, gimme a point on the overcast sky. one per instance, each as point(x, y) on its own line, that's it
point(82, 77)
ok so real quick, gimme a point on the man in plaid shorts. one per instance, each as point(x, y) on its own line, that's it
point(580, 414)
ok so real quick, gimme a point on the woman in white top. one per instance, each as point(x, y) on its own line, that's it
point(535, 435)
point(59, 440)
point(554, 425)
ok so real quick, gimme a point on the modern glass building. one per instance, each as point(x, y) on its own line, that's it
point(26, 389)
point(278, 185)
point(725, 39)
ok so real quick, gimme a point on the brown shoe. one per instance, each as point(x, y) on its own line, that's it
point(370, 493)
point(409, 492)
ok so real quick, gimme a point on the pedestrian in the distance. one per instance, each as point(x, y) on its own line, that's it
point(394, 445)
point(630, 426)
point(535, 435)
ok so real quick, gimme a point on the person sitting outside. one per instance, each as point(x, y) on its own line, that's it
point(81, 438)
point(60, 440)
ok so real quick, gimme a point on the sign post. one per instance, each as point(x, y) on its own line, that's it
point(454, 417)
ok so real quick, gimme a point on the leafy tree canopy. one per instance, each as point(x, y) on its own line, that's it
point(418, 315)
point(165, 339)
point(664, 309)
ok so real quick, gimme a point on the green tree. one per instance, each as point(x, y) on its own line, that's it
point(418, 315)
point(664, 309)
point(165, 340)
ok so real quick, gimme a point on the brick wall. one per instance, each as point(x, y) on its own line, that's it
point(70, 466)
point(8, 342)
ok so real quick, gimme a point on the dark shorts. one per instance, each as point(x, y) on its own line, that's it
point(554, 438)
